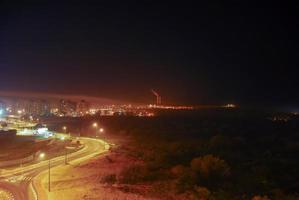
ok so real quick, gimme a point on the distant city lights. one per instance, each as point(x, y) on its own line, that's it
point(32, 109)
point(230, 106)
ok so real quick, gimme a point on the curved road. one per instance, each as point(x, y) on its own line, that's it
point(16, 184)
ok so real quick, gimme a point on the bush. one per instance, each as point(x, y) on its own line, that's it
point(177, 170)
point(186, 181)
point(202, 193)
point(210, 168)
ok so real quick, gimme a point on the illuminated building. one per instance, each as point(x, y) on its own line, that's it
point(67, 107)
point(83, 107)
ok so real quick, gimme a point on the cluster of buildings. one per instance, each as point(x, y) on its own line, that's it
point(41, 107)
point(35, 107)
point(70, 108)
point(32, 107)
point(66, 107)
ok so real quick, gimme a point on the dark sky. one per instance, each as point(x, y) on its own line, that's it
point(190, 53)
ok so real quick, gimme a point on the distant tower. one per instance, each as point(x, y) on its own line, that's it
point(158, 97)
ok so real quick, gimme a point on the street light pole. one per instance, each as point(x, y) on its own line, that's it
point(65, 131)
point(95, 126)
point(65, 159)
point(49, 180)
point(22, 167)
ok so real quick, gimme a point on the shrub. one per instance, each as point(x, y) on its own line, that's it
point(202, 193)
point(177, 170)
point(186, 181)
point(210, 168)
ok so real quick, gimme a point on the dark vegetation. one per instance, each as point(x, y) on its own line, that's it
point(224, 154)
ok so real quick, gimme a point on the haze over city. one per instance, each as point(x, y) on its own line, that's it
point(144, 100)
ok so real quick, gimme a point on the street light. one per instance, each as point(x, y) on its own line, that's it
point(64, 128)
point(43, 155)
point(101, 130)
point(95, 125)
point(63, 139)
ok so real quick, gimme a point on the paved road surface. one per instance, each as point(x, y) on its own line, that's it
point(16, 184)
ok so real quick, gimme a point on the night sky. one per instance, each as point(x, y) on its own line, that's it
point(190, 53)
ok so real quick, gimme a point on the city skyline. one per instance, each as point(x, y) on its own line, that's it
point(144, 100)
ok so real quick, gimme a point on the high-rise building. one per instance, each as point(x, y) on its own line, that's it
point(37, 107)
point(67, 107)
point(83, 107)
